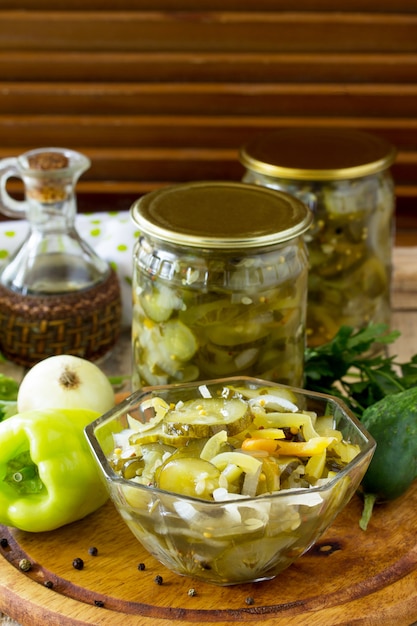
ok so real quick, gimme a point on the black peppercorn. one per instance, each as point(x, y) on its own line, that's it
point(25, 565)
point(249, 600)
point(92, 551)
point(3, 542)
point(78, 563)
point(49, 584)
point(159, 580)
point(99, 603)
point(141, 567)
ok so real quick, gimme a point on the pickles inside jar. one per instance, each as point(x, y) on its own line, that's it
point(349, 247)
point(349, 250)
point(349, 189)
point(250, 320)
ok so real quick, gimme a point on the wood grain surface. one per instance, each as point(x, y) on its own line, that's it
point(349, 577)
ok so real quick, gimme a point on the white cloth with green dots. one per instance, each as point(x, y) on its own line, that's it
point(111, 235)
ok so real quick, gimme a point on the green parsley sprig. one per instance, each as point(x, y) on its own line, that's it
point(8, 388)
point(8, 396)
point(349, 367)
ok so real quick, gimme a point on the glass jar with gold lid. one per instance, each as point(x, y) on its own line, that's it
point(344, 177)
point(219, 284)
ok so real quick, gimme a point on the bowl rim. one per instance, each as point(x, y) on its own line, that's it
point(136, 396)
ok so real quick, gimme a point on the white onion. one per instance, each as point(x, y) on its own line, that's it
point(65, 382)
point(274, 403)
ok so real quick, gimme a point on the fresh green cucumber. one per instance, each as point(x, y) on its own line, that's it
point(393, 423)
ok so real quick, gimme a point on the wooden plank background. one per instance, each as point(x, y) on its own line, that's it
point(163, 91)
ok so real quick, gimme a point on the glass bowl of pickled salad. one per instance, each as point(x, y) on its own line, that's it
point(229, 481)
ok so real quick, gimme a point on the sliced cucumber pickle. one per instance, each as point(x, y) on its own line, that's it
point(156, 435)
point(204, 417)
point(188, 476)
point(132, 467)
point(245, 332)
point(159, 303)
point(221, 361)
point(210, 313)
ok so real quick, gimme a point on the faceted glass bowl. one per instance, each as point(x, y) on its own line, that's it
point(238, 540)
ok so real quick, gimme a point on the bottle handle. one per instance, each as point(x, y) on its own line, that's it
point(8, 205)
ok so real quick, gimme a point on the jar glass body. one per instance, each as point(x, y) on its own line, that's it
point(200, 314)
point(350, 248)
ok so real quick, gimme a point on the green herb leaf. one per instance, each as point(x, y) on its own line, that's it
point(349, 368)
point(7, 409)
point(8, 388)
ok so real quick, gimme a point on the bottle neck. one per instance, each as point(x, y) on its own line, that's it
point(50, 217)
point(54, 259)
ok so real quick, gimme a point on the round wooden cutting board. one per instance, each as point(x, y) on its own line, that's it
point(350, 577)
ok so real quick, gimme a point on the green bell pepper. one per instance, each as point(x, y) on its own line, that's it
point(48, 476)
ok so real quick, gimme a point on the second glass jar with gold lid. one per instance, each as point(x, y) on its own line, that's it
point(344, 177)
point(219, 284)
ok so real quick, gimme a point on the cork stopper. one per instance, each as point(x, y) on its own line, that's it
point(48, 161)
point(47, 189)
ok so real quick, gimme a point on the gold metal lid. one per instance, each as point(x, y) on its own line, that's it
point(222, 215)
point(317, 154)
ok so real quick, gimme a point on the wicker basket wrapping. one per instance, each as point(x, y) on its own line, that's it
point(85, 323)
